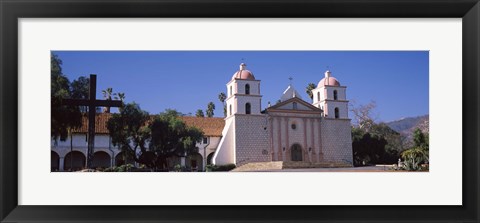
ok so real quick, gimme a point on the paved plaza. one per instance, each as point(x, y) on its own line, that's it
point(380, 168)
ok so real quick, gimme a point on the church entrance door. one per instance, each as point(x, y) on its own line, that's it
point(296, 152)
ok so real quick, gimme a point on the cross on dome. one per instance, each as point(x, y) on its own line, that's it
point(243, 73)
point(328, 80)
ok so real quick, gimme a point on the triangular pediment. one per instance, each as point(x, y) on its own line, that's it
point(301, 105)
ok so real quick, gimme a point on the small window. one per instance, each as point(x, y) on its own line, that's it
point(295, 105)
point(318, 96)
point(294, 126)
point(231, 92)
point(337, 115)
point(248, 108)
point(230, 109)
point(247, 89)
point(335, 95)
point(205, 140)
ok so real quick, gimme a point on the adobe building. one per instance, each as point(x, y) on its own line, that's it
point(291, 130)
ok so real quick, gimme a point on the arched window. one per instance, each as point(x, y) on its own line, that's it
point(248, 108)
point(231, 92)
point(294, 105)
point(318, 96)
point(337, 113)
point(247, 88)
point(230, 109)
point(335, 96)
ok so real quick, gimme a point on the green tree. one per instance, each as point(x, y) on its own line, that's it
point(120, 96)
point(210, 109)
point(309, 89)
point(63, 118)
point(128, 130)
point(380, 145)
point(171, 137)
point(368, 149)
point(221, 98)
point(419, 139)
point(419, 153)
point(151, 140)
point(107, 94)
point(80, 90)
point(200, 113)
point(394, 145)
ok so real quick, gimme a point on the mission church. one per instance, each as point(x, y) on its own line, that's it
point(291, 130)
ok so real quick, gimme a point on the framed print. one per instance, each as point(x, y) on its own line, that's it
point(40, 186)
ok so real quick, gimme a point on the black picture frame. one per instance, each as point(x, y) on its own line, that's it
point(11, 11)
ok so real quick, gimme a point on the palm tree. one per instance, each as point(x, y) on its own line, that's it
point(200, 113)
point(107, 94)
point(210, 108)
point(309, 89)
point(120, 96)
point(222, 98)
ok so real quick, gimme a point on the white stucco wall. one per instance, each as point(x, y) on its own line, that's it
point(241, 101)
point(204, 149)
point(342, 109)
point(254, 86)
point(300, 106)
point(225, 152)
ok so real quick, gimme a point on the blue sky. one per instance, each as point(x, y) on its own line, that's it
point(187, 80)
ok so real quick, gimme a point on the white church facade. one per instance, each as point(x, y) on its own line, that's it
point(291, 130)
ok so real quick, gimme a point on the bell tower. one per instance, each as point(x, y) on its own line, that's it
point(243, 93)
point(331, 97)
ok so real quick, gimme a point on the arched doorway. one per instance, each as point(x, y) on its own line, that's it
point(296, 152)
point(74, 161)
point(55, 158)
point(101, 159)
point(120, 159)
point(194, 162)
point(210, 157)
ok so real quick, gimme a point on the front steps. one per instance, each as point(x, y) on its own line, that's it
point(302, 165)
point(259, 166)
point(279, 165)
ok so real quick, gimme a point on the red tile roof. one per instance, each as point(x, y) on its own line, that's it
point(209, 126)
point(100, 123)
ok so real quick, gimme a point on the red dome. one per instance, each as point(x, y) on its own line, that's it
point(328, 81)
point(243, 74)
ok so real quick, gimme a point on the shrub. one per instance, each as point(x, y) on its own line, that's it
point(414, 158)
point(220, 168)
point(177, 168)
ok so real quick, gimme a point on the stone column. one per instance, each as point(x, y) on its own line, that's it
point(279, 137)
point(305, 151)
point(270, 131)
point(314, 153)
point(287, 145)
point(320, 150)
point(61, 163)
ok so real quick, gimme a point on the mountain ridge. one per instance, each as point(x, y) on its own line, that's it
point(406, 126)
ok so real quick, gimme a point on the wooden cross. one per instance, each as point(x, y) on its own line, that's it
point(92, 103)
